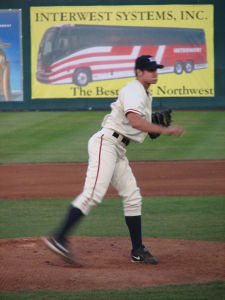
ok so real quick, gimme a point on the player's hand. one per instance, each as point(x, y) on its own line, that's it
point(174, 130)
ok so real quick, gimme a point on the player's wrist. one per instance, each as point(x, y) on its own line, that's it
point(165, 130)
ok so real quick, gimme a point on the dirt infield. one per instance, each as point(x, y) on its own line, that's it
point(66, 180)
point(26, 264)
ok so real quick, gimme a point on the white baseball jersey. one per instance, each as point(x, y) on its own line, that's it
point(132, 98)
point(107, 153)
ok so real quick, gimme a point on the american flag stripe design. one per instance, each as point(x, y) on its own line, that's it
point(160, 53)
point(98, 59)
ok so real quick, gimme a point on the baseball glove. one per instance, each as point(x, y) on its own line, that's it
point(163, 118)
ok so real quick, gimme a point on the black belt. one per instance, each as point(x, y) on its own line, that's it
point(124, 140)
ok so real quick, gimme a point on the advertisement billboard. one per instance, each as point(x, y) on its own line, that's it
point(90, 51)
point(11, 78)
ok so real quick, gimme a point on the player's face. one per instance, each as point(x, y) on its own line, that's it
point(150, 77)
point(147, 77)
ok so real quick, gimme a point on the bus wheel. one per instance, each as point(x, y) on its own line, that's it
point(81, 77)
point(189, 66)
point(178, 67)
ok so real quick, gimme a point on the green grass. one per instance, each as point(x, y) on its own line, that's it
point(63, 136)
point(197, 291)
point(46, 136)
point(189, 218)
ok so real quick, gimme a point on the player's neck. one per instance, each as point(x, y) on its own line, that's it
point(146, 85)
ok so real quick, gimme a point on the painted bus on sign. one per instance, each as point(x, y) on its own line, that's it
point(81, 54)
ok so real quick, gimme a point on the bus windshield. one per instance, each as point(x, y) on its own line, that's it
point(46, 46)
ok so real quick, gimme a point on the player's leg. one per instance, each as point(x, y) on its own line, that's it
point(125, 183)
point(102, 158)
point(102, 161)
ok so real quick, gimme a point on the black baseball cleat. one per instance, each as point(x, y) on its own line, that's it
point(143, 255)
point(60, 249)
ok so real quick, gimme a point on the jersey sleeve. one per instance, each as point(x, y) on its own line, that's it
point(134, 101)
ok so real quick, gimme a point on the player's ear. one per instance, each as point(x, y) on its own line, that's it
point(138, 72)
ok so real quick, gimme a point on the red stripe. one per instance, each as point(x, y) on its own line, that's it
point(47, 80)
point(118, 50)
point(96, 179)
point(112, 70)
point(88, 65)
point(99, 163)
point(45, 77)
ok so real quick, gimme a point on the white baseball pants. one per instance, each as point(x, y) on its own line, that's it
point(108, 164)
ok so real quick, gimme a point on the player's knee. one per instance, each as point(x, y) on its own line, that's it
point(132, 206)
point(85, 203)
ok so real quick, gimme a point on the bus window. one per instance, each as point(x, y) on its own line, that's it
point(74, 42)
point(62, 43)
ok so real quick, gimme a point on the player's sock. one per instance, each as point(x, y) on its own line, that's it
point(134, 226)
point(73, 217)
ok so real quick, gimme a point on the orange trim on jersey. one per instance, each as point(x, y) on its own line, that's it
point(134, 111)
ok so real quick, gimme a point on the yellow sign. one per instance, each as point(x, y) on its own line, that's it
point(89, 51)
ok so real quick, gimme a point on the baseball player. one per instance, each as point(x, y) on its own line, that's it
point(129, 120)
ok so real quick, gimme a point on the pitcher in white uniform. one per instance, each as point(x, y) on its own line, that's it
point(129, 120)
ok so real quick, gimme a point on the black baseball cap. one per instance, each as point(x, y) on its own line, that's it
point(147, 62)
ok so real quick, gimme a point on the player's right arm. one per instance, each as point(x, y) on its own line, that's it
point(137, 122)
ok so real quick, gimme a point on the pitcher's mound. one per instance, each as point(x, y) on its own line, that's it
point(26, 264)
